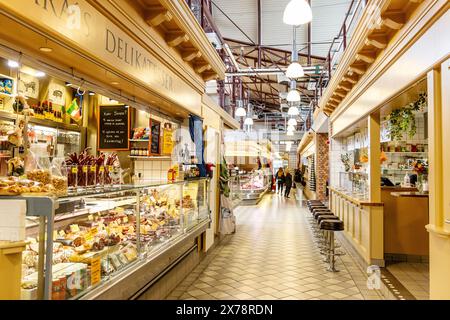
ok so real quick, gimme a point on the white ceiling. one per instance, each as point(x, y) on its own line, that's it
point(328, 16)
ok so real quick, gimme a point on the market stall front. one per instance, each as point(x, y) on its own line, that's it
point(92, 119)
point(386, 156)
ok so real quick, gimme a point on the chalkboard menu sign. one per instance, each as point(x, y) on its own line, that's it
point(113, 128)
point(155, 128)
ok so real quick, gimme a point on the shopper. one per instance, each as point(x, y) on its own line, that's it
point(280, 180)
point(288, 183)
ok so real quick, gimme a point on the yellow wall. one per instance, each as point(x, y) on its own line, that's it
point(439, 180)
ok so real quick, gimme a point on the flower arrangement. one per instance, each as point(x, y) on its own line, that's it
point(420, 167)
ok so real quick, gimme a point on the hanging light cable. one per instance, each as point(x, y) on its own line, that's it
point(295, 69)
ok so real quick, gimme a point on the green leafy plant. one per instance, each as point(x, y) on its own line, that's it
point(403, 120)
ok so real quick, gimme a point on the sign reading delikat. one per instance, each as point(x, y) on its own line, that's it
point(113, 128)
point(89, 31)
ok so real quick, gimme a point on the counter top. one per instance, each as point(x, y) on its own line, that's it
point(410, 194)
point(356, 200)
point(398, 188)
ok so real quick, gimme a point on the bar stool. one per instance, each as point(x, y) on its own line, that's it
point(331, 226)
point(323, 242)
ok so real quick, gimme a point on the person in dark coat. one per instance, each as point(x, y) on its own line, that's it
point(288, 183)
point(280, 180)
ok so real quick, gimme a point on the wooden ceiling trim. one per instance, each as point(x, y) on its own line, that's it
point(394, 20)
point(379, 40)
point(157, 16)
point(190, 54)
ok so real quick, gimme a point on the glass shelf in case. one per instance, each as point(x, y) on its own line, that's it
point(99, 236)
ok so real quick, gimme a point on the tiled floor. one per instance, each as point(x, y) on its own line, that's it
point(414, 277)
point(272, 256)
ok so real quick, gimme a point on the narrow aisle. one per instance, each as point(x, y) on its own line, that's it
point(272, 256)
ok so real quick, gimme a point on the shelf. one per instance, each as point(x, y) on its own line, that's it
point(387, 169)
point(42, 122)
point(5, 95)
point(405, 152)
point(151, 157)
point(139, 140)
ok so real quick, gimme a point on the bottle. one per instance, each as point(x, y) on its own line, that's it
point(406, 181)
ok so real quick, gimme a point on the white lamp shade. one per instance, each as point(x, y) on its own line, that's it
point(293, 96)
point(292, 122)
point(290, 128)
point(290, 133)
point(13, 64)
point(295, 70)
point(297, 12)
point(293, 111)
point(248, 121)
point(240, 112)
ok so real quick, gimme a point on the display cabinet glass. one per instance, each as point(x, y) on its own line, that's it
point(354, 183)
point(96, 236)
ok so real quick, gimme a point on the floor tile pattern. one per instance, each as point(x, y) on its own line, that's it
point(414, 277)
point(273, 256)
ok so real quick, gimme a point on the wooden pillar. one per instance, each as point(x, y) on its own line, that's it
point(375, 212)
point(438, 81)
point(374, 157)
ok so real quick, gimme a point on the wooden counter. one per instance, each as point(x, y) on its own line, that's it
point(405, 218)
point(355, 200)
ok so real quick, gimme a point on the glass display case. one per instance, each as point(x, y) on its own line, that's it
point(96, 236)
point(254, 185)
point(354, 183)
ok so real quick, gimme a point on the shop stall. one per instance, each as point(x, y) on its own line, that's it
point(386, 103)
point(103, 197)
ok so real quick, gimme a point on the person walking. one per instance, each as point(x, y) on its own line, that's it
point(288, 183)
point(280, 180)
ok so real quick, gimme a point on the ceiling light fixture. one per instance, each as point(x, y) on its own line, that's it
point(91, 93)
point(293, 95)
point(297, 12)
point(293, 111)
point(248, 121)
point(46, 49)
point(39, 74)
point(68, 84)
point(13, 64)
point(295, 70)
point(240, 111)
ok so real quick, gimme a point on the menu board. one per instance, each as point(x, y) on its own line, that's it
point(155, 131)
point(113, 128)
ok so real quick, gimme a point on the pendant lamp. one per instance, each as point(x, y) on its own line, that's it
point(297, 12)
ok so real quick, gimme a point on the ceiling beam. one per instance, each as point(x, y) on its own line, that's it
point(379, 41)
point(190, 54)
point(175, 38)
point(157, 16)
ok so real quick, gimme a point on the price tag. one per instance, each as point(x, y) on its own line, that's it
point(95, 271)
point(74, 228)
point(89, 236)
point(85, 169)
point(93, 231)
point(110, 168)
point(90, 217)
point(161, 223)
point(154, 227)
point(55, 235)
point(131, 229)
point(102, 169)
point(125, 219)
point(61, 233)
point(74, 170)
point(92, 168)
point(108, 230)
